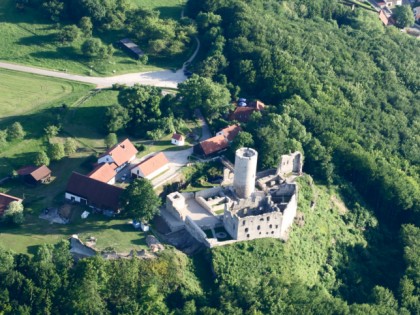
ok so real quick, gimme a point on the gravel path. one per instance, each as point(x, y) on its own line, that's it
point(165, 78)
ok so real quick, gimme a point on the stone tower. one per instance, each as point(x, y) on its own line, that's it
point(245, 172)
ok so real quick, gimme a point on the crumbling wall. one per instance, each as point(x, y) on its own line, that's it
point(206, 193)
point(290, 163)
point(289, 215)
point(264, 225)
point(176, 203)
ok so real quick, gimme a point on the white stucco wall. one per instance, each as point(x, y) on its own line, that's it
point(105, 159)
point(69, 196)
point(152, 175)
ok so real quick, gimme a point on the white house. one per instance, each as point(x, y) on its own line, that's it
point(178, 139)
point(119, 155)
point(151, 167)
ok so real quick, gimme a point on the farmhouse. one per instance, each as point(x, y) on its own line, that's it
point(119, 155)
point(93, 193)
point(178, 139)
point(104, 172)
point(218, 143)
point(211, 146)
point(5, 200)
point(151, 167)
point(129, 46)
point(33, 174)
point(243, 113)
point(230, 132)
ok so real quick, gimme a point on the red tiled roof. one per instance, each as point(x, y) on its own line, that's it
point(37, 173)
point(122, 152)
point(258, 105)
point(97, 193)
point(5, 200)
point(26, 170)
point(41, 172)
point(214, 144)
point(241, 114)
point(152, 164)
point(103, 172)
point(230, 132)
point(178, 137)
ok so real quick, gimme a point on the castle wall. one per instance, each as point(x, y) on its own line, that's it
point(176, 203)
point(251, 227)
point(290, 163)
point(289, 215)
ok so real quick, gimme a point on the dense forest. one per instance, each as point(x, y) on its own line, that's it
point(341, 88)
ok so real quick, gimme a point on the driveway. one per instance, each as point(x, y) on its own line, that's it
point(177, 160)
point(205, 130)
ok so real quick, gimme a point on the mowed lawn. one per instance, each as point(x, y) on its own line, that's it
point(117, 234)
point(28, 38)
point(22, 93)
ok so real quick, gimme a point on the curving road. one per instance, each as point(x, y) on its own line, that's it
point(164, 78)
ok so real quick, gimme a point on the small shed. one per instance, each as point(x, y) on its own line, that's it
point(178, 139)
point(34, 175)
point(129, 46)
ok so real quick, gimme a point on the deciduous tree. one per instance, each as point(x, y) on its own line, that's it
point(15, 132)
point(140, 201)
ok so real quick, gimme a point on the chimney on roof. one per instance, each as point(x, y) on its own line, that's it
point(123, 146)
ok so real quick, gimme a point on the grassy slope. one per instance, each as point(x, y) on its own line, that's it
point(35, 102)
point(167, 8)
point(305, 256)
point(27, 38)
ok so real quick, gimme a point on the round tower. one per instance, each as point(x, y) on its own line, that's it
point(245, 172)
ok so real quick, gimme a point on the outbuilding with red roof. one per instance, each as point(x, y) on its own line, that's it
point(151, 166)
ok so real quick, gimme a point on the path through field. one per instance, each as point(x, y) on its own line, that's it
point(164, 78)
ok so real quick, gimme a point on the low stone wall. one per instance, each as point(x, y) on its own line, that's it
point(204, 204)
point(206, 193)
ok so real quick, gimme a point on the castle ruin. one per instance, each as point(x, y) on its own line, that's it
point(238, 212)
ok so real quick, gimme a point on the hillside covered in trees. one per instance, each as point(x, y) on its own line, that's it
point(345, 91)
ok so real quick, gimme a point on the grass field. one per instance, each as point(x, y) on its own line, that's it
point(28, 38)
point(167, 8)
point(110, 233)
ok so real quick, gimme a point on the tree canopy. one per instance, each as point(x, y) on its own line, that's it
point(140, 201)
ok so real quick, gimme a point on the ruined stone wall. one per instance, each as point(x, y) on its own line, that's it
point(290, 163)
point(176, 203)
point(206, 193)
point(289, 215)
point(251, 227)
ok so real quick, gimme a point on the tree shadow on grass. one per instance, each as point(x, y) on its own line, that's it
point(64, 52)
point(167, 12)
point(38, 40)
point(91, 120)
